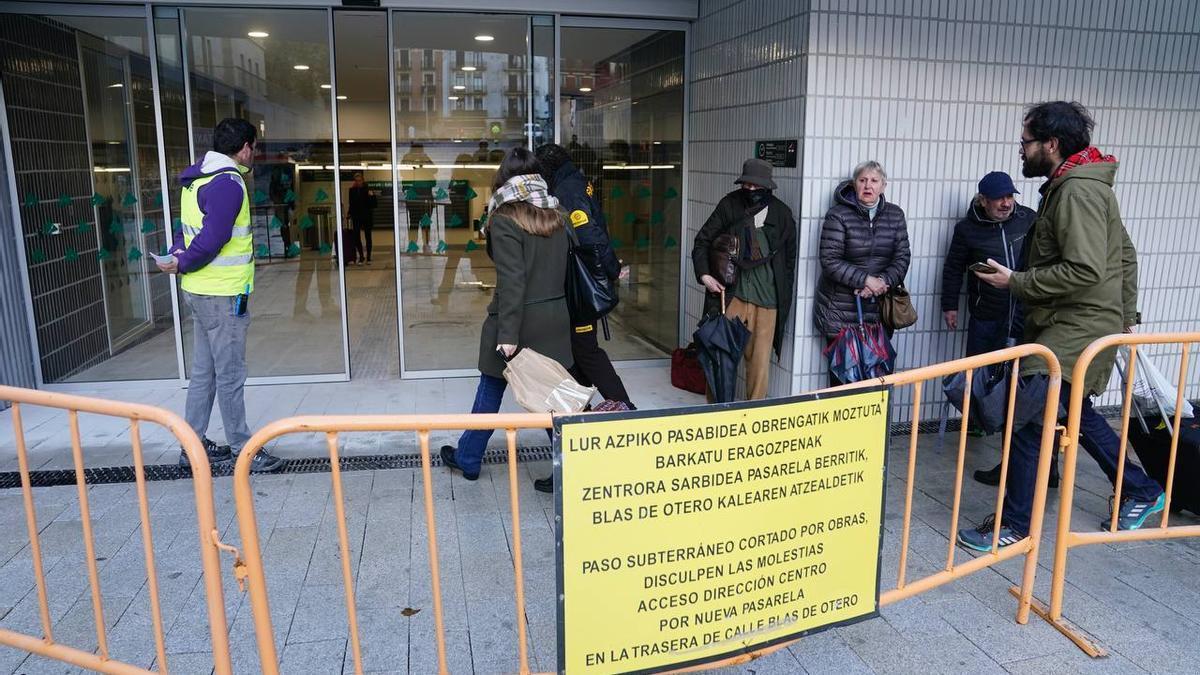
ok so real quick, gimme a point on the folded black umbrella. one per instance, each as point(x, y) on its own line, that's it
point(720, 342)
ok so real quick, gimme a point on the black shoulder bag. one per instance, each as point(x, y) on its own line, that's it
point(591, 295)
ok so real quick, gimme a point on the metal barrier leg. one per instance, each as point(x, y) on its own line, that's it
point(435, 580)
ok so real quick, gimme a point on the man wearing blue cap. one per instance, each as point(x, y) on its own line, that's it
point(994, 227)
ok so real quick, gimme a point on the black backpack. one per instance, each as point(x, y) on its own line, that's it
point(591, 295)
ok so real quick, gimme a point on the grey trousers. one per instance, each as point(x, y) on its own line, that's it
point(218, 367)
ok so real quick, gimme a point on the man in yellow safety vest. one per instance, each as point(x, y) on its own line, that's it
point(213, 255)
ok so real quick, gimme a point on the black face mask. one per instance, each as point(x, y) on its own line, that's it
point(756, 197)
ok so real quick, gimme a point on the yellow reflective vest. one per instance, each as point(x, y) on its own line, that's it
point(232, 271)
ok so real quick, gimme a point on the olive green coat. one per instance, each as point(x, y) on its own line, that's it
point(529, 307)
point(1080, 280)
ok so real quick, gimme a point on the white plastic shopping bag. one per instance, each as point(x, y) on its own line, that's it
point(541, 384)
point(1151, 389)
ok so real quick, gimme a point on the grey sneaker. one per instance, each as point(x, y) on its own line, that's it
point(265, 462)
point(1133, 514)
point(217, 454)
point(979, 538)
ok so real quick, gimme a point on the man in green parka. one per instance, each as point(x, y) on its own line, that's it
point(1080, 284)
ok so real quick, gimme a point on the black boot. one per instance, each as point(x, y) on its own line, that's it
point(989, 477)
point(544, 484)
point(992, 475)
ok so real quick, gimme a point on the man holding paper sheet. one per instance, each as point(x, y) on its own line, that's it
point(212, 253)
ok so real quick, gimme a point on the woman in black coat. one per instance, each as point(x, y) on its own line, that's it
point(528, 243)
point(863, 252)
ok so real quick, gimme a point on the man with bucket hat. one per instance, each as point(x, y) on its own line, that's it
point(756, 232)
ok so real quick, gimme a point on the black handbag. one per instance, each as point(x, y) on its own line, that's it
point(591, 295)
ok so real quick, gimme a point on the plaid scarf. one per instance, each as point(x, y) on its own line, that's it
point(530, 187)
point(1088, 155)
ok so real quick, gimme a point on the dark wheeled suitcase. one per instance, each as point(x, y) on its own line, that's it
point(1153, 447)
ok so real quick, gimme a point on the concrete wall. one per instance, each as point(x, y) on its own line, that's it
point(936, 91)
point(748, 74)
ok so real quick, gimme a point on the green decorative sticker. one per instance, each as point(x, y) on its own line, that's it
point(64, 200)
point(455, 220)
point(148, 226)
point(262, 251)
point(471, 194)
point(289, 197)
point(70, 254)
point(671, 193)
point(670, 242)
point(293, 250)
point(472, 246)
point(642, 243)
point(116, 227)
point(426, 221)
point(440, 194)
point(325, 248)
point(410, 193)
point(37, 256)
point(83, 227)
point(441, 246)
point(129, 199)
point(276, 223)
point(657, 218)
point(30, 199)
point(162, 250)
point(643, 192)
point(306, 222)
point(97, 199)
point(103, 254)
point(49, 227)
point(617, 192)
point(616, 243)
point(260, 197)
point(134, 254)
point(412, 247)
point(322, 196)
point(630, 218)
point(158, 199)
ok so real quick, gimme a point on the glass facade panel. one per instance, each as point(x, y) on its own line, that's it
point(80, 106)
point(463, 88)
point(453, 125)
point(621, 117)
point(279, 80)
point(365, 151)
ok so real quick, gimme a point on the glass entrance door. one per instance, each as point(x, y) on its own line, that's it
point(621, 112)
point(464, 89)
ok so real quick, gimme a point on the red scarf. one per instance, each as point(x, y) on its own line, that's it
point(1088, 155)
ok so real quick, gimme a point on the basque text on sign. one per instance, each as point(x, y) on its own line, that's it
point(691, 535)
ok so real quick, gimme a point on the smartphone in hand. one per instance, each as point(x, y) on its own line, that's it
point(982, 268)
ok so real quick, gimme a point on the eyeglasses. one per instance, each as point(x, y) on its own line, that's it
point(1024, 142)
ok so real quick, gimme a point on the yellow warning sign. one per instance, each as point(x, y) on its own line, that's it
point(687, 536)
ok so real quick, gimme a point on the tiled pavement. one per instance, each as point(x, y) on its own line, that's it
point(1142, 601)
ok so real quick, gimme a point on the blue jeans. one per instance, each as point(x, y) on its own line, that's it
point(1100, 441)
point(985, 336)
point(218, 367)
point(473, 442)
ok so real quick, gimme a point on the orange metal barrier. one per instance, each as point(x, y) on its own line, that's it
point(1067, 539)
point(1027, 546)
point(251, 567)
point(205, 515)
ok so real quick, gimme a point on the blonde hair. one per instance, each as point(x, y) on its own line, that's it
point(870, 165)
point(532, 219)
